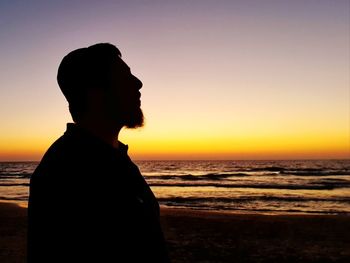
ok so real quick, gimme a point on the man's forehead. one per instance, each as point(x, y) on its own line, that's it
point(121, 64)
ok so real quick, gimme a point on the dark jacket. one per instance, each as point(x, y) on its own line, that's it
point(89, 203)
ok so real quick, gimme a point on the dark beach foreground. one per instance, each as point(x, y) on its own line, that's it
point(13, 230)
point(200, 236)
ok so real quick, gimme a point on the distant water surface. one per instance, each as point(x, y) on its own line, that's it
point(270, 187)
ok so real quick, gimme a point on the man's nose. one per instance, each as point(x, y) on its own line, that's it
point(138, 83)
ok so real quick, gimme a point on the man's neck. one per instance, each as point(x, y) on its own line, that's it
point(102, 130)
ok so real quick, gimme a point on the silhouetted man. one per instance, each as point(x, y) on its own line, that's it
point(88, 201)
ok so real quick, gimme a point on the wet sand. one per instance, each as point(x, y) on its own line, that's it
point(200, 236)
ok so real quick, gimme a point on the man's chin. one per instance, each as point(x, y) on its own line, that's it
point(135, 120)
point(134, 125)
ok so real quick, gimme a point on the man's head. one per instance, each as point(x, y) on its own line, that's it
point(95, 80)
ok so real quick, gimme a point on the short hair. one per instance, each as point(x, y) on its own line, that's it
point(82, 69)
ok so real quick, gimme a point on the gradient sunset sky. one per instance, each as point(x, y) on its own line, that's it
point(221, 79)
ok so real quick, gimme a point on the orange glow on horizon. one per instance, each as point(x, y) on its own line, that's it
point(143, 148)
point(36, 155)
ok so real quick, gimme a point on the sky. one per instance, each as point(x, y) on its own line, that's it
point(221, 79)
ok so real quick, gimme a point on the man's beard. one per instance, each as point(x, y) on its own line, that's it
point(134, 119)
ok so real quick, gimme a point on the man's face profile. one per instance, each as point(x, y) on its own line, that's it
point(123, 97)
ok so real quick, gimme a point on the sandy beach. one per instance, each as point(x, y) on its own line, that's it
point(201, 236)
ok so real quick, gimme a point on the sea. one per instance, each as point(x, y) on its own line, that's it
point(255, 187)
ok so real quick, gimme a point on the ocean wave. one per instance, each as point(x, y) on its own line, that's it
point(273, 205)
point(308, 172)
point(231, 209)
point(14, 175)
point(210, 176)
point(267, 168)
point(13, 198)
point(256, 186)
point(259, 173)
point(14, 184)
point(250, 199)
point(299, 171)
point(218, 176)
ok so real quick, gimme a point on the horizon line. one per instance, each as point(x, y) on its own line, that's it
point(167, 160)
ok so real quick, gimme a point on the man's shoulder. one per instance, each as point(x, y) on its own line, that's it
point(72, 152)
point(60, 154)
point(58, 150)
point(52, 157)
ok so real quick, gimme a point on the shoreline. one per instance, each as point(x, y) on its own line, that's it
point(194, 211)
point(191, 211)
point(215, 236)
